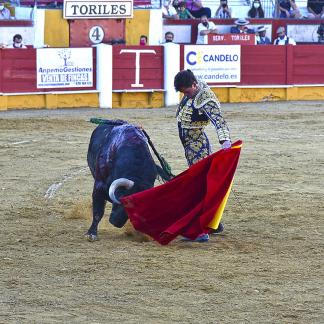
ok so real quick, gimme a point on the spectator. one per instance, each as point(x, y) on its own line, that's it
point(261, 37)
point(17, 42)
point(143, 40)
point(256, 10)
point(241, 27)
point(295, 13)
point(282, 39)
point(168, 11)
point(320, 33)
point(183, 12)
point(284, 8)
point(175, 4)
point(168, 37)
point(196, 9)
point(118, 41)
point(223, 11)
point(205, 27)
point(315, 9)
point(4, 12)
point(288, 9)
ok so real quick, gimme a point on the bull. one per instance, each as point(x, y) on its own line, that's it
point(121, 164)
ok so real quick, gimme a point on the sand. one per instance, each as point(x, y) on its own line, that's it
point(266, 267)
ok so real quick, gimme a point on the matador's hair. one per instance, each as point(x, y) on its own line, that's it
point(184, 79)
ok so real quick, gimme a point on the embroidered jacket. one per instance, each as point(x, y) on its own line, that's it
point(198, 111)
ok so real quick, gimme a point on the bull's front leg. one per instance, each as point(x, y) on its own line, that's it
point(98, 209)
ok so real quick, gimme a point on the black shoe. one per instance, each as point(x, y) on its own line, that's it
point(218, 230)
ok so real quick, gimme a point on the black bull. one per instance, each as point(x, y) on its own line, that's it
point(121, 164)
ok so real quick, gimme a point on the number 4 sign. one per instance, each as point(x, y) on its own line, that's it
point(96, 34)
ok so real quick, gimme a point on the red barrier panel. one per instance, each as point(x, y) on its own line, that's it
point(82, 29)
point(138, 67)
point(306, 64)
point(264, 64)
point(18, 72)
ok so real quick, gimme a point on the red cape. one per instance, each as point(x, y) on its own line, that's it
point(186, 204)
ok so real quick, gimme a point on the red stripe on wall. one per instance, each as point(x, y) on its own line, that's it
point(263, 64)
point(18, 70)
point(306, 64)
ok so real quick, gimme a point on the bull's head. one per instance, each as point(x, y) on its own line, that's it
point(121, 182)
point(118, 216)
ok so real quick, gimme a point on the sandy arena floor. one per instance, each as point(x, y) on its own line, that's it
point(267, 267)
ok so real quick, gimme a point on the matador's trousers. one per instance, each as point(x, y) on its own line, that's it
point(195, 143)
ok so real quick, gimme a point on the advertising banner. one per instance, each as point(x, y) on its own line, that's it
point(64, 67)
point(214, 63)
point(93, 9)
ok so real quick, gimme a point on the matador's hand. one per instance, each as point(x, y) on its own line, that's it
point(226, 144)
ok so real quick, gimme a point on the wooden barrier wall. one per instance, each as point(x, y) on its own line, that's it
point(260, 65)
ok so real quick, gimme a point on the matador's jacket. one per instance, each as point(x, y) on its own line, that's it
point(193, 115)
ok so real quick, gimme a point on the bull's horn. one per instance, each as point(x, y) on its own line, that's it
point(121, 182)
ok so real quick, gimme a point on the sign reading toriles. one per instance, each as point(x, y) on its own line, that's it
point(64, 67)
point(93, 9)
point(214, 64)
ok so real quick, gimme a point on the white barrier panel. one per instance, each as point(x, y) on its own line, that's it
point(96, 9)
point(104, 75)
point(64, 67)
point(171, 68)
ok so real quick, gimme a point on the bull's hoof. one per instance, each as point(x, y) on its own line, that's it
point(91, 237)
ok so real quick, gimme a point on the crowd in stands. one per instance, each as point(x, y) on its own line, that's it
point(206, 27)
point(191, 9)
point(286, 9)
point(194, 9)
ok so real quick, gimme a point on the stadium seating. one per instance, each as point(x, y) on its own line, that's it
point(59, 3)
point(240, 8)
